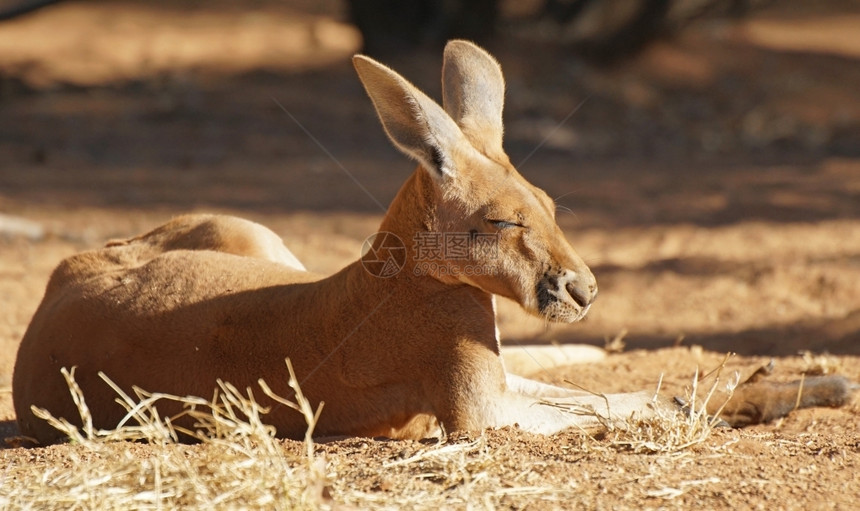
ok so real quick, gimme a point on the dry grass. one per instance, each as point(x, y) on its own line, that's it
point(666, 430)
point(239, 463)
point(670, 431)
point(457, 473)
point(819, 364)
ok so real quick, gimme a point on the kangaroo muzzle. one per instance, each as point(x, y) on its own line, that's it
point(565, 296)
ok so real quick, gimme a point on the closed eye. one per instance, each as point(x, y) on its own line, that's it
point(503, 224)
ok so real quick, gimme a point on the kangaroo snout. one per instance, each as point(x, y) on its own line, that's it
point(567, 295)
point(580, 285)
point(582, 293)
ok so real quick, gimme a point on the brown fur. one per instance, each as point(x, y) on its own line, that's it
point(207, 297)
point(763, 401)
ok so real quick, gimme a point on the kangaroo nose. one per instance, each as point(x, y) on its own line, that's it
point(582, 293)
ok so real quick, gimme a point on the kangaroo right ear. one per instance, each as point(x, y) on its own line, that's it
point(473, 92)
point(416, 124)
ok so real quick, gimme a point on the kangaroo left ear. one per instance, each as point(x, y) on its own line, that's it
point(416, 124)
point(473, 93)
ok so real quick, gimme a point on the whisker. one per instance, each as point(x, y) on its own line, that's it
point(331, 156)
point(565, 195)
point(594, 260)
point(552, 132)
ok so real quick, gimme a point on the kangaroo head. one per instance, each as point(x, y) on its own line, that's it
point(467, 213)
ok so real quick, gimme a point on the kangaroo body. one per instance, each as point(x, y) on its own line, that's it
point(397, 344)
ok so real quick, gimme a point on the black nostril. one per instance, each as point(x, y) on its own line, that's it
point(583, 297)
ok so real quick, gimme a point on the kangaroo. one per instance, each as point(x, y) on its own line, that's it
point(400, 343)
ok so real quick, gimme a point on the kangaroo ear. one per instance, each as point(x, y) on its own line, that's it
point(416, 124)
point(473, 93)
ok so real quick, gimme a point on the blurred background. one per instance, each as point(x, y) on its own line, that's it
point(177, 90)
point(709, 149)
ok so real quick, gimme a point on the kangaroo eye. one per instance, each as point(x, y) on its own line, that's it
point(503, 224)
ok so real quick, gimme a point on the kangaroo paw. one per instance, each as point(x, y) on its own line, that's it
point(762, 401)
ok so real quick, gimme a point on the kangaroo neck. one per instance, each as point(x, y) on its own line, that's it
point(386, 290)
point(412, 211)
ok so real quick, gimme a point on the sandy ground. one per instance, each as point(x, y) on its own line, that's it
point(714, 184)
